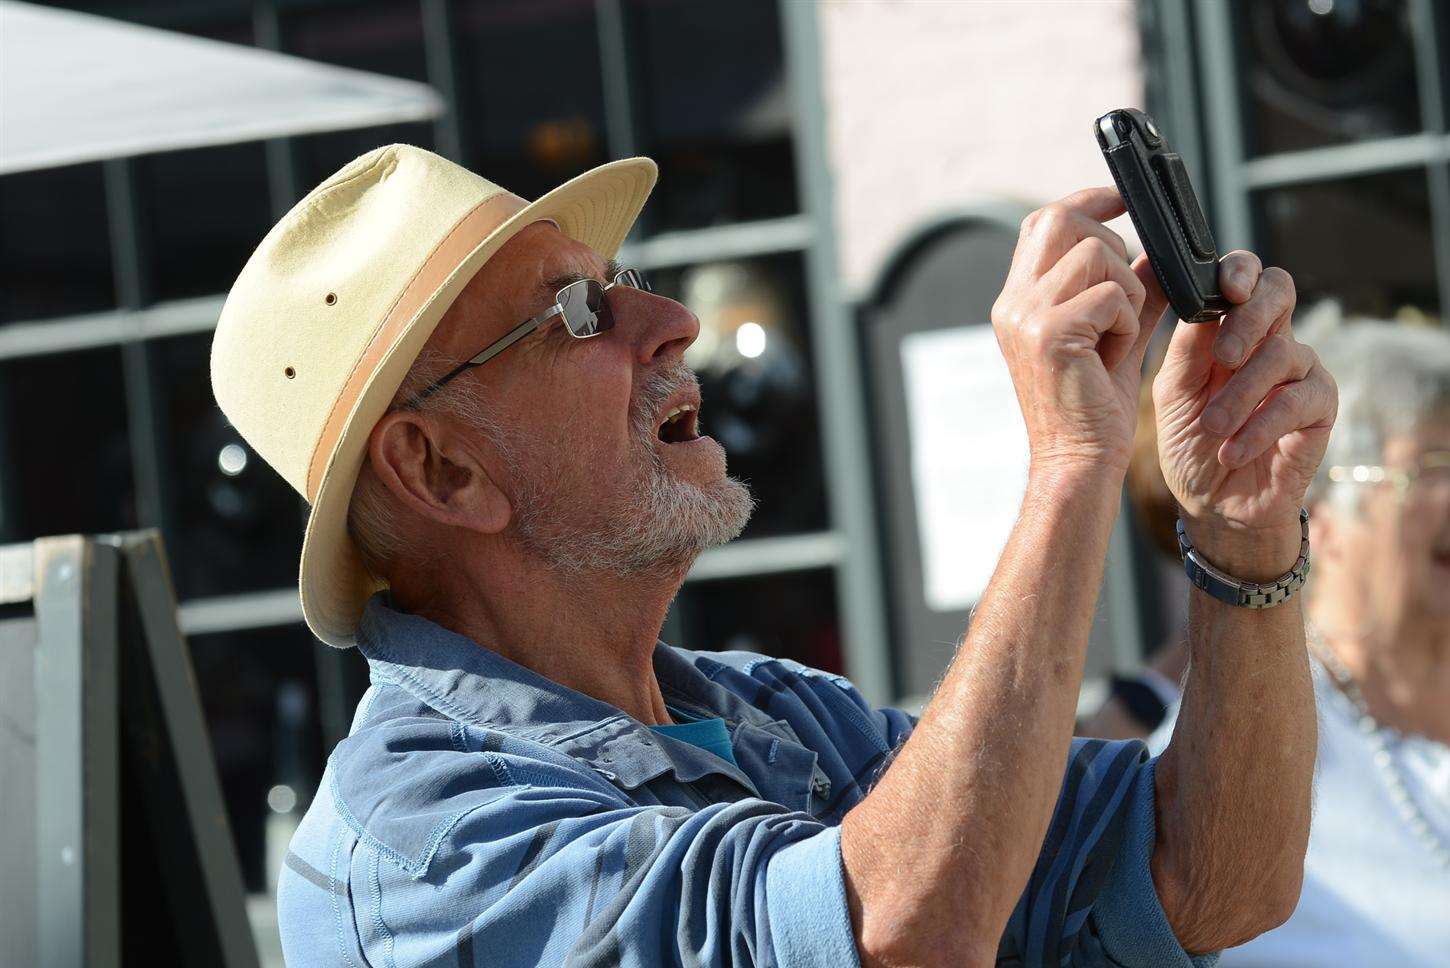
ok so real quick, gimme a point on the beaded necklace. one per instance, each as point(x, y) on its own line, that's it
point(1384, 758)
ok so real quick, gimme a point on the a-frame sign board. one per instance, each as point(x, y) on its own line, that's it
point(113, 834)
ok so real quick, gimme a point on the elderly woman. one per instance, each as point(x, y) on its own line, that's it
point(1377, 874)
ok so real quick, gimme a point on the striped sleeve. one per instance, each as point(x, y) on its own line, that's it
point(1090, 899)
point(555, 875)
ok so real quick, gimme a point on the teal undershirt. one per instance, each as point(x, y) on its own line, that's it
point(708, 734)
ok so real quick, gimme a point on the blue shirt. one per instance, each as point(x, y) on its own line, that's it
point(480, 814)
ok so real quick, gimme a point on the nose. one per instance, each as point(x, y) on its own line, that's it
point(659, 326)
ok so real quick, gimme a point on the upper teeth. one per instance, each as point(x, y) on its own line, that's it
point(674, 414)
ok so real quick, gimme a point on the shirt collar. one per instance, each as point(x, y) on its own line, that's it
point(478, 686)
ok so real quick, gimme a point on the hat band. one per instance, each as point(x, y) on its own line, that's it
point(462, 239)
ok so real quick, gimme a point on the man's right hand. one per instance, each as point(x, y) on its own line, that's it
point(1074, 321)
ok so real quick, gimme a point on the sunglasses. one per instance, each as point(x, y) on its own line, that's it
point(585, 311)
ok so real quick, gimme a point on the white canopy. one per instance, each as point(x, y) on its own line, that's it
point(76, 87)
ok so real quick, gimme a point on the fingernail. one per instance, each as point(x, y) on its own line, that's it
point(1233, 453)
point(1216, 420)
point(1230, 348)
point(1239, 279)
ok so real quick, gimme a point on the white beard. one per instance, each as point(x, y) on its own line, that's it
point(660, 522)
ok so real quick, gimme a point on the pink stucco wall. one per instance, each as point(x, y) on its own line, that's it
point(934, 104)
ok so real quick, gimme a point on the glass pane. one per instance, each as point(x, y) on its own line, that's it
point(1442, 46)
point(756, 380)
point(1364, 240)
point(386, 38)
point(228, 20)
point(714, 110)
point(790, 616)
point(64, 447)
point(207, 210)
point(55, 244)
point(233, 523)
point(1324, 72)
point(531, 101)
point(259, 695)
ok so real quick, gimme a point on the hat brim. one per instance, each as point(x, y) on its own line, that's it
point(596, 208)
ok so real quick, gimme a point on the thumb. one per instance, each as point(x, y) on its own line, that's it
point(1188, 364)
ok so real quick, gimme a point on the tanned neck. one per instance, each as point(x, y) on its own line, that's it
point(594, 634)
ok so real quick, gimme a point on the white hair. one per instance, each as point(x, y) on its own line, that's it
point(374, 519)
point(1392, 378)
point(664, 520)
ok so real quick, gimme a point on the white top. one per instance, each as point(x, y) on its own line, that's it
point(1372, 894)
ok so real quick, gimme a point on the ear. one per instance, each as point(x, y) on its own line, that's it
point(434, 470)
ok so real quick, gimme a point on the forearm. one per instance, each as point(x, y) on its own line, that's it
point(938, 853)
point(1233, 787)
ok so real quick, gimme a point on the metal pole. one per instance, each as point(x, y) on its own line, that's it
point(128, 257)
point(441, 50)
point(78, 863)
point(839, 386)
point(1233, 222)
point(1430, 72)
point(618, 86)
point(284, 178)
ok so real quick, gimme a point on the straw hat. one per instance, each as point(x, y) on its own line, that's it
point(333, 307)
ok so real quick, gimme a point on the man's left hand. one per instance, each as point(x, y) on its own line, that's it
point(1244, 413)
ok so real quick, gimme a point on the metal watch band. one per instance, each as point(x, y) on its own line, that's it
point(1246, 594)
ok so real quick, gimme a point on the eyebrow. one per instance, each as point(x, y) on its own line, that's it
point(551, 286)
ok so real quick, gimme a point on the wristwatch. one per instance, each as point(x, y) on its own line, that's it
point(1247, 594)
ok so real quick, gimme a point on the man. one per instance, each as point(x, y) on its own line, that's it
point(515, 790)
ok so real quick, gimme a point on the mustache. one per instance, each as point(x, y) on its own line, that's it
point(656, 389)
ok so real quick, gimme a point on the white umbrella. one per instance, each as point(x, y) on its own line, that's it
point(76, 87)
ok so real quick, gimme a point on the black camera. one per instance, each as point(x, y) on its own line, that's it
point(1154, 185)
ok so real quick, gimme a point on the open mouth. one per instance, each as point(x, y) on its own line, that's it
point(681, 424)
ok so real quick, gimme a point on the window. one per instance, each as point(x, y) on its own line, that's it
point(725, 614)
point(259, 696)
point(757, 390)
point(713, 110)
point(64, 445)
point(1365, 241)
point(55, 244)
point(386, 38)
point(232, 523)
point(1330, 154)
point(206, 211)
point(530, 101)
point(1326, 73)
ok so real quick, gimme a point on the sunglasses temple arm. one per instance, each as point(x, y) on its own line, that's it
point(513, 336)
point(504, 342)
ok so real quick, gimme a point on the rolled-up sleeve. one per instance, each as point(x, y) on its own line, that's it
point(542, 875)
point(1090, 900)
point(805, 890)
point(1128, 916)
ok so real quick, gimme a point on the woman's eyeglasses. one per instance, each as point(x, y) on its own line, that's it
point(583, 307)
point(1431, 469)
